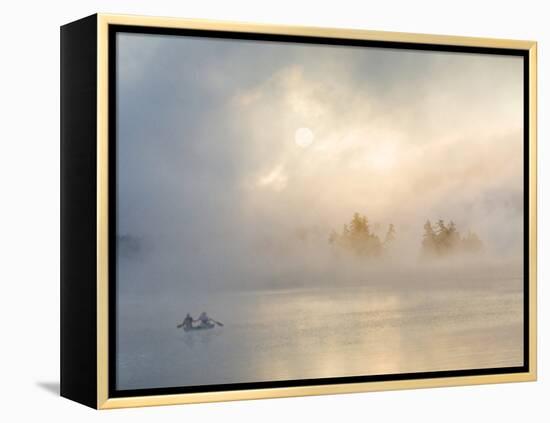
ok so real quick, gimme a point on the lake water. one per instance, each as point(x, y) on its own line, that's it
point(288, 334)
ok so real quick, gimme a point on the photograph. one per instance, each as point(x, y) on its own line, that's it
point(299, 210)
point(224, 211)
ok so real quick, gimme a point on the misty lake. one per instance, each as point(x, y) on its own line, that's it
point(284, 334)
point(343, 211)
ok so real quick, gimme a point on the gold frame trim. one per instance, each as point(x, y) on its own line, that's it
point(103, 400)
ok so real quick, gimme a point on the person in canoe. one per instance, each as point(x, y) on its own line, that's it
point(187, 322)
point(205, 321)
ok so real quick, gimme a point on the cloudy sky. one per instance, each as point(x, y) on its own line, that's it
point(230, 150)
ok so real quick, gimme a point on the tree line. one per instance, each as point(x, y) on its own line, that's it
point(357, 236)
point(444, 239)
point(441, 239)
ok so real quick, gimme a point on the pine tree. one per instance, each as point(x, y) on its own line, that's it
point(441, 237)
point(358, 238)
point(446, 239)
point(359, 225)
point(429, 239)
point(453, 237)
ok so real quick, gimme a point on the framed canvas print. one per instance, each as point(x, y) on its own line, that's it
point(255, 211)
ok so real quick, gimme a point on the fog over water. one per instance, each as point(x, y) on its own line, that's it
point(237, 160)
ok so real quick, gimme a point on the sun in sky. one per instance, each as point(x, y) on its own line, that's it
point(304, 137)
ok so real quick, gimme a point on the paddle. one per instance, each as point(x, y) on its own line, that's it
point(180, 325)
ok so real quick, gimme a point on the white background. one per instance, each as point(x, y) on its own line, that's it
point(29, 212)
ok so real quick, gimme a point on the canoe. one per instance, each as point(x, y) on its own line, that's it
point(202, 326)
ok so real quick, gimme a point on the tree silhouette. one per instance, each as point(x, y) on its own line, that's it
point(429, 239)
point(439, 240)
point(446, 240)
point(358, 238)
